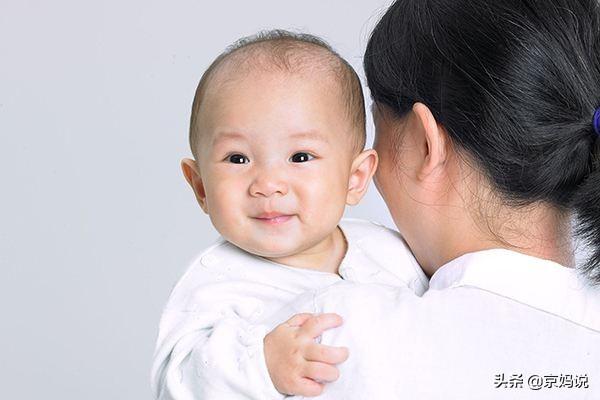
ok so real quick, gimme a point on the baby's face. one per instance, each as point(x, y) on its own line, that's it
point(275, 159)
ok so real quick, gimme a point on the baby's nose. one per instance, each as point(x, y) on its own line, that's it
point(268, 184)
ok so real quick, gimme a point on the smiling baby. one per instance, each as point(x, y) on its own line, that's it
point(277, 133)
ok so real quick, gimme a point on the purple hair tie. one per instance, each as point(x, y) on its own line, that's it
point(597, 121)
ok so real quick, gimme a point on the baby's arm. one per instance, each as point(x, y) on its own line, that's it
point(210, 342)
point(296, 363)
point(212, 336)
point(210, 356)
point(204, 355)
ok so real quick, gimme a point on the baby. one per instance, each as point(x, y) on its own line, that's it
point(277, 132)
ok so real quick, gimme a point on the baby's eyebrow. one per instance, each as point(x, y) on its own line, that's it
point(222, 136)
point(311, 135)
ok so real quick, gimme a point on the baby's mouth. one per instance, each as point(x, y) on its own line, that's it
point(273, 218)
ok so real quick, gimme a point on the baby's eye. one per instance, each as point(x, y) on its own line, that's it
point(238, 159)
point(301, 157)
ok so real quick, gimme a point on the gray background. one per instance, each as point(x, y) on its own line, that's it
point(96, 221)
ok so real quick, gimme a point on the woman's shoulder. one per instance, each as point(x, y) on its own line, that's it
point(540, 286)
point(498, 286)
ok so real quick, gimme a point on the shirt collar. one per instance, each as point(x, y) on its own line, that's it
point(541, 284)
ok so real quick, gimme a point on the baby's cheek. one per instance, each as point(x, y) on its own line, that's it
point(334, 195)
point(225, 216)
point(327, 208)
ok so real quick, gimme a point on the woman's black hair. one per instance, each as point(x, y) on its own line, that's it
point(514, 82)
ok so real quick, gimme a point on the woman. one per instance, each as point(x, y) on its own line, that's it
point(487, 125)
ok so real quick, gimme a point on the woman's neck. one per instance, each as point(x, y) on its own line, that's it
point(539, 230)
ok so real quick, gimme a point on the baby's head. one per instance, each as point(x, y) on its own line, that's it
point(277, 132)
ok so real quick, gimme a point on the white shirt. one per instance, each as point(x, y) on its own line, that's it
point(490, 318)
point(210, 342)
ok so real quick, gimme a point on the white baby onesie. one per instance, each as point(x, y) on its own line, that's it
point(210, 341)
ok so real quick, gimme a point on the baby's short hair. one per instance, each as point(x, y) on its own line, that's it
point(290, 52)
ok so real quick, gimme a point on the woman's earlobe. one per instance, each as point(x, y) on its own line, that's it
point(363, 168)
point(191, 174)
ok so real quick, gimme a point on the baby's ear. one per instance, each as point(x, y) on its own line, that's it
point(192, 176)
point(363, 168)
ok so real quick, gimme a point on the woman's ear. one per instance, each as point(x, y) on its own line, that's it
point(433, 138)
point(363, 168)
point(192, 176)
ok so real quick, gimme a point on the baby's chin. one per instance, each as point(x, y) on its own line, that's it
point(271, 250)
point(276, 250)
point(293, 246)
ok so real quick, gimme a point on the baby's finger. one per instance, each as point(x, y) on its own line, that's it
point(309, 388)
point(316, 325)
point(321, 372)
point(325, 354)
point(298, 319)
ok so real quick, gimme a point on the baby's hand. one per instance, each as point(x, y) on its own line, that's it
point(296, 363)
